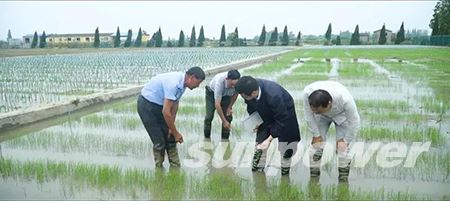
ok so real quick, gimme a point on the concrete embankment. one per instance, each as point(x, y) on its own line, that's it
point(35, 114)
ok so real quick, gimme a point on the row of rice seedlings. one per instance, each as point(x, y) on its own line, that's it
point(279, 64)
point(431, 166)
point(188, 109)
point(312, 70)
point(81, 142)
point(405, 135)
point(434, 78)
point(401, 53)
point(383, 105)
point(431, 104)
point(216, 186)
point(325, 53)
point(176, 185)
point(383, 116)
point(356, 70)
point(198, 98)
point(99, 121)
point(299, 81)
point(125, 107)
point(373, 83)
point(314, 65)
point(74, 74)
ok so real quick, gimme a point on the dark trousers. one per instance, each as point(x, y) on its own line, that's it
point(210, 109)
point(286, 149)
point(153, 120)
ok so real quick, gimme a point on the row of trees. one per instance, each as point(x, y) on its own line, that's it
point(355, 38)
point(34, 42)
point(233, 38)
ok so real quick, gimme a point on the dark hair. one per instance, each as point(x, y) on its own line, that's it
point(197, 72)
point(246, 85)
point(319, 98)
point(233, 75)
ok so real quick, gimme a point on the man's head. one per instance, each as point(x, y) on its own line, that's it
point(247, 87)
point(320, 101)
point(232, 78)
point(194, 76)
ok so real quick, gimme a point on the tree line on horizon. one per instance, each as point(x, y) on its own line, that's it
point(440, 25)
point(156, 39)
point(232, 39)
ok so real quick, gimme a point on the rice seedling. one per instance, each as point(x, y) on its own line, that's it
point(382, 105)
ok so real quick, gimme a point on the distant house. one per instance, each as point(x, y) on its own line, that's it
point(390, 37)
point(77, 38)
point(364, 38)
point(27, 39)
point(14, 42)
point(58, 39)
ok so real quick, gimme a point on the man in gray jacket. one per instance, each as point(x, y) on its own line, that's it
point(327, 102)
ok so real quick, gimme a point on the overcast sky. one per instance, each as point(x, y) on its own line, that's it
point(308, 17)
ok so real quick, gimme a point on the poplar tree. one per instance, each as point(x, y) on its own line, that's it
point(262, 37)
point(128, 41)
point(96, 38)
point(35, 40)
point(223, 39)
point(192, 40)
point(117, 38)
point(181, 39)
point(138, 41)
point(201, 38)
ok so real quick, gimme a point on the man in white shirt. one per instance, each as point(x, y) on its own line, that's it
point(221, 96)
point(327, 102)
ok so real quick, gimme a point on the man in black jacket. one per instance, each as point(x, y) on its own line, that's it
point(276, 108)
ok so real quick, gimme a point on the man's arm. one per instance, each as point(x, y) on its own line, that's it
point(230, 107)
point(353, 120)
point(218, 107)
point(311, 121)
point(309, 117)
point(170, 108)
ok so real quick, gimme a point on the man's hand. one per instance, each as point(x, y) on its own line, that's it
point(229, 111)
point(226, 124)
point(178, 137)
point(316, 141)
point(341, 145)
point(265, 144)
point(255, 130)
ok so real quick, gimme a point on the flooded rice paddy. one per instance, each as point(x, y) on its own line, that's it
point(402, 95)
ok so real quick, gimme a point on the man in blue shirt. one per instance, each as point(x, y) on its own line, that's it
point(157, 107)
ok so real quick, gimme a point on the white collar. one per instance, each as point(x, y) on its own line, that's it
point(259, 93)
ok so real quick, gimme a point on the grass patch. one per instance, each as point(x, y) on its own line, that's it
point(355, 70)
